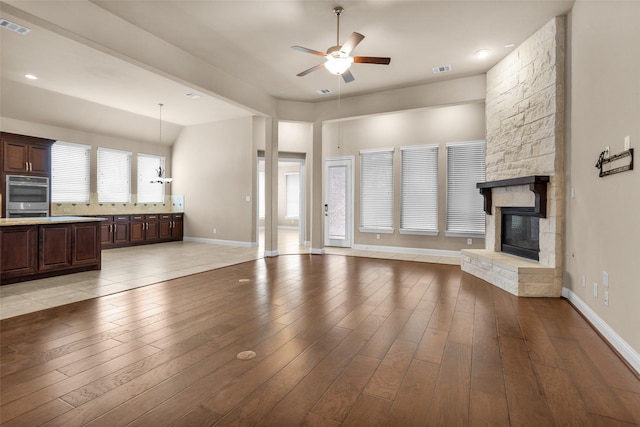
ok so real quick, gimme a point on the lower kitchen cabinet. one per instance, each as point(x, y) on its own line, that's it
point(171, 227)
point(43, 250)
point(55, 247)
point(140, 229)
point(19, 251)
point(144, 228)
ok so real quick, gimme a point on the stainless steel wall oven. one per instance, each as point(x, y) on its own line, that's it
point(27, 196)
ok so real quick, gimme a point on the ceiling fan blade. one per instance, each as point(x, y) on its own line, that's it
point(348, 77)
point(371, 60)
point(305, 72)
point(311, 51)
point(351, 42)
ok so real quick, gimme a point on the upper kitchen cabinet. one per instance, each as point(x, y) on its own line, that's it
point(26, 155)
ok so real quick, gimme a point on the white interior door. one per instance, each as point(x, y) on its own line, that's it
point(338, 208)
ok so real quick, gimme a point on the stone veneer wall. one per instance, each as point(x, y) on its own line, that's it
point(525, 130)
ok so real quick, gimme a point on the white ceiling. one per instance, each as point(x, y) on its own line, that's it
point(250, 40)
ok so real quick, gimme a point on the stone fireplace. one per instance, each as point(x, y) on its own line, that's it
point(524, 164)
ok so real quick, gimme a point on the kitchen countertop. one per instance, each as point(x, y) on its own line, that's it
point(8, 222)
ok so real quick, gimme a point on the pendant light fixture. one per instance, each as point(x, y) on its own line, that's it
point(160, 171)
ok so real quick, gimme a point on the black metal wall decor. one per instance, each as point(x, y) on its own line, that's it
point(603, 160)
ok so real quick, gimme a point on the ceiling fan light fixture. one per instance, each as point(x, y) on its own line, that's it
point(338, 64)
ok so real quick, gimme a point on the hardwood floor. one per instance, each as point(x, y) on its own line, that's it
point(338, 341)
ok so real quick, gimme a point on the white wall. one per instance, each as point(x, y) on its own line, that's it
point(214, 167)
point(603, 220)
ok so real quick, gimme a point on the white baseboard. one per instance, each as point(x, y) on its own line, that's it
point(626, 351)
point(269, 254)
point(316, 251)
point(401, 250)
point(221, 242)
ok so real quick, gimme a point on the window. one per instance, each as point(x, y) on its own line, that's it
point(419, 203)
point(293, 194)
point(114, 176)
point(376, 191)
point(149, 189)
point(465, 168)
point(261, 195)
point(70, 172)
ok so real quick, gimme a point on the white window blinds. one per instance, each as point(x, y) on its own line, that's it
point(70, 172)
point(149, 189)
point(293, 195)
point(261, 194)
point(465, 168)
point(419, 197)
point(114, 176)
point(376, 190)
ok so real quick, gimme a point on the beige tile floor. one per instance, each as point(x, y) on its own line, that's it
point(132, 267)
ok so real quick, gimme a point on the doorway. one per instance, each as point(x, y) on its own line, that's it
point(291, 203)
point(338, 208)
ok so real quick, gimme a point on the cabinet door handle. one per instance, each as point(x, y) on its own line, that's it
point(115, 227)
point(30, 167)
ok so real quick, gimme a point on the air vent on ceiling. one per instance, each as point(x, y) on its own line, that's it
point(323, 91)
point(16, 28)
point(441, 69)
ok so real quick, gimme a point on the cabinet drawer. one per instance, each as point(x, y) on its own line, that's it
point(121, 218)
point(137, 218)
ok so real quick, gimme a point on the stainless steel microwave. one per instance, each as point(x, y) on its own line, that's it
point(27, 194)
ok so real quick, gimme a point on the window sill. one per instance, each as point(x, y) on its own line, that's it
point(376, 230)
point(464, 234)
point(420, 232)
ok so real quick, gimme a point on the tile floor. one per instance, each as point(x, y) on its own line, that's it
point(132, 267)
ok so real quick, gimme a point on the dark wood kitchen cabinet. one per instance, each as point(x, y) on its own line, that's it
point(144, 228)
point(55, 247)
point(114, 230)
point(86, 244)
point(18, 251)
point(26, 155)
point(48, 249)
point(171, 227)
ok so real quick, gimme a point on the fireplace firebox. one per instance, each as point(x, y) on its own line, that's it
point(520, 232)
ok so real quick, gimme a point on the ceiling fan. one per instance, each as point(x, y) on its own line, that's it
point(337, 57)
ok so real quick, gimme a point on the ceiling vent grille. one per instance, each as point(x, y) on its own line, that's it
point(441, 69)
point(323, 91)
point(16, 28)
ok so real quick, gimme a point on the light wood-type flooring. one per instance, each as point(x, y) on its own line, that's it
point(338, 341)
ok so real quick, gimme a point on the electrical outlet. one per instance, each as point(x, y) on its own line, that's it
point(605, 279)
point(215, 231)
point(583, 280)
point(378, 236)
point(595, 290)
point(605, 298)
point(573, 193)
point(627, 142)
point(469, 241)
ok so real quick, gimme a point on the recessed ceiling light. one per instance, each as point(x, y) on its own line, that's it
point(482, 53)
point(31, 77)
point(192, 95)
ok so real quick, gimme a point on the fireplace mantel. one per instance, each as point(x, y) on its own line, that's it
point(537, 184)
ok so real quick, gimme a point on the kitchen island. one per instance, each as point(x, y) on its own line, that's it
point(34, 248)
